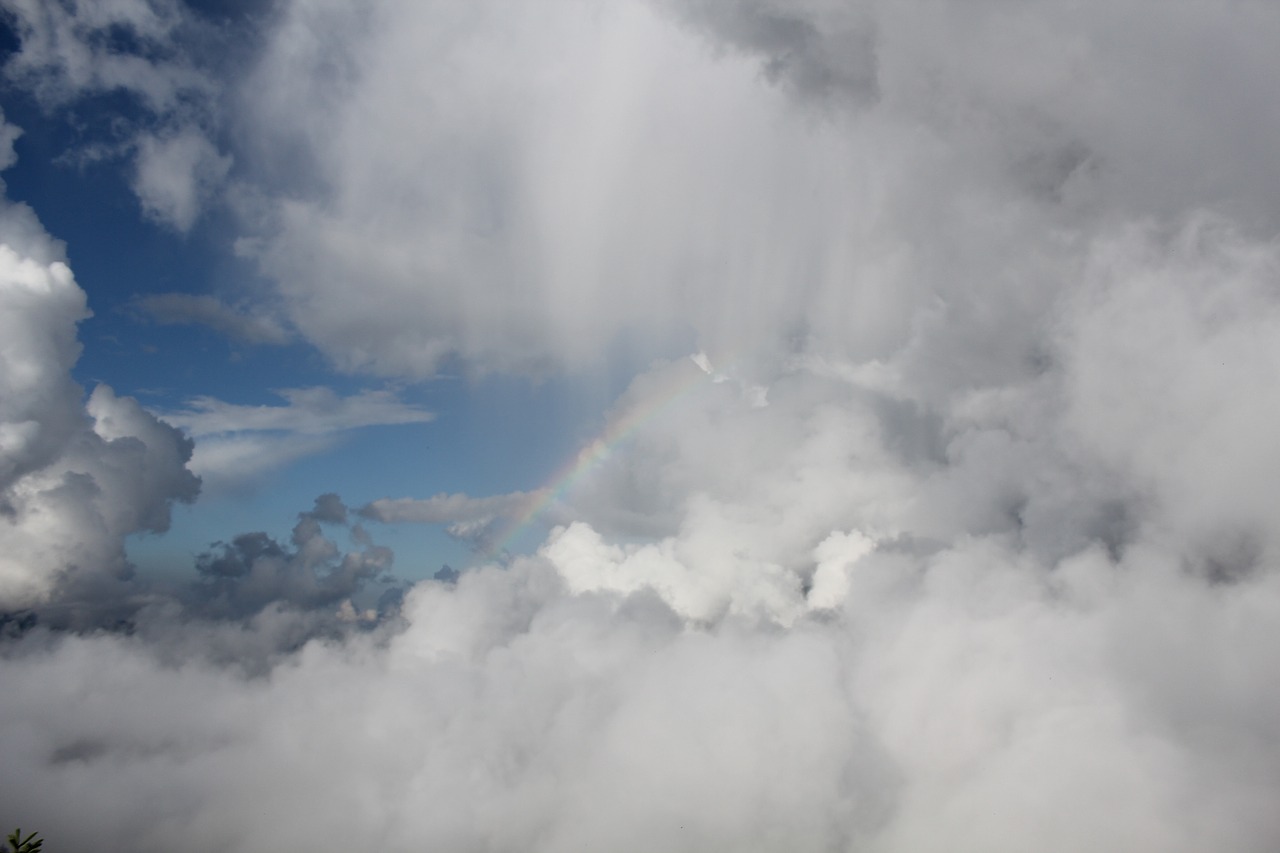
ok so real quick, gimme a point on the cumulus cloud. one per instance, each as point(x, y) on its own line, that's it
point(928, 713)
point(242, 577)
point(972, 546)
point(76, 477)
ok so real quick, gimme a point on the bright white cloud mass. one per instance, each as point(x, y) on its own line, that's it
point(938, 512)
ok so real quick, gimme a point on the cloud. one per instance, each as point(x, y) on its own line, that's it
point(156, 57)
point(176, 175)
point(978, 540)
point(443, 508)
point(238, 444)
point(819, 49)
point(232, 463)
point(560, 211)
point(240, 323)
point(526, 219)
point(243, 577)
point(309, 411)
point(66, 50)
point(477, 521)
point(581, 719)
point(76, 477)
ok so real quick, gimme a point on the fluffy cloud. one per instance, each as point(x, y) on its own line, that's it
point(965, 701)
point(550, 196)
point(75, 477)
point(243, 577)
point(529, 219)
point(176, 175)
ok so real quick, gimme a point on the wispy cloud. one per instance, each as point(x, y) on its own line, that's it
point(244, 323)
point(308, 411)
point(476, 521)
point(441, 509)
point(236, 445)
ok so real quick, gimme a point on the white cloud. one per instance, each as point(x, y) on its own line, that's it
point(525, 219)
point(153, 52)
point(75, 478)
point(480, 522)
point(441, 509)
point(971, 704)
point(994, 569)
point(234, 462)
point(237, 445)
point(571, 178)
point(309, 411)
point(176, 175)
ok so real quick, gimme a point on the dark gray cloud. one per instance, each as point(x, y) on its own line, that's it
point(818, 49)
point(241, 577)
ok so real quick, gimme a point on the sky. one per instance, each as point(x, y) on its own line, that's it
point(753, 425)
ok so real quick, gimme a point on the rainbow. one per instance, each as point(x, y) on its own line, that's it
point(616, 432)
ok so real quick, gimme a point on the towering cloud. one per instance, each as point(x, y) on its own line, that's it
point(76, 477)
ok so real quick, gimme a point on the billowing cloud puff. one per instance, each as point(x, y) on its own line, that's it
point(75, 477)
point(966, 701)
point(242, 577)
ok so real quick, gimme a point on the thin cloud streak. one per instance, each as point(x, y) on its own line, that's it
point(308, 411)
point(239, 323)
point(239, 445)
